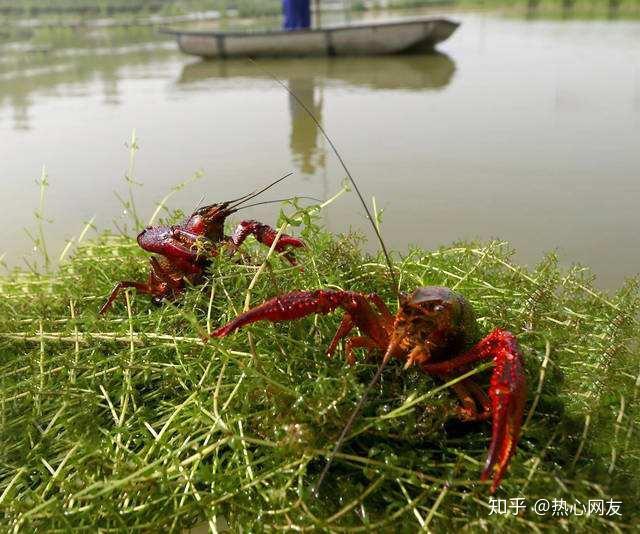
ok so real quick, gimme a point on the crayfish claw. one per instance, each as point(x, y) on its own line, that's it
point(508, 394)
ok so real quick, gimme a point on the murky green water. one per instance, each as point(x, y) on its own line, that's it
point(528, 130)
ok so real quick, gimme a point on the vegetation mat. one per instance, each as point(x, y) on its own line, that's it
point(131, 422)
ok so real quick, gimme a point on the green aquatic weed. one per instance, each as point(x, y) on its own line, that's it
point(132, 422)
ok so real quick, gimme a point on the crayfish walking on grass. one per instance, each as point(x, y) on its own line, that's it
point(435, 329)
point(185, 250)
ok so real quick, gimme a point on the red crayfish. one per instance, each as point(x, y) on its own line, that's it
point(434, 328)
point(185, 250)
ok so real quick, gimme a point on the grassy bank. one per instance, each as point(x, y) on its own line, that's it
point(98, 24)
point(130, 422)
point(91, 9)
point(62, 11)
point(544, 9)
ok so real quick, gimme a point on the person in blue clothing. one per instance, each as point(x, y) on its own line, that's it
point(297, 14)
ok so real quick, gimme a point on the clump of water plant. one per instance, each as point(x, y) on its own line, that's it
point(133, 422)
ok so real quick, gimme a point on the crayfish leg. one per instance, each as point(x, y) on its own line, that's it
point(470, 394)
point(358, 342)
point(140, 287)
point(381, 307)
point(162, 282)
point(346, 325)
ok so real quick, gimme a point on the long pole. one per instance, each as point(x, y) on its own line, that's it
point(318, 17)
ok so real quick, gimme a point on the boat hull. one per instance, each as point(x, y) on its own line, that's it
point(366, 39)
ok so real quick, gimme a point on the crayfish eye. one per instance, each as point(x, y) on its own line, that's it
point(432, 307)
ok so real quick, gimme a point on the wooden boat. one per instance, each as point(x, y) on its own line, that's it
point(392, 37)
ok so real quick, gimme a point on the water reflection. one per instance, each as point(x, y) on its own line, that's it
point(70, 73)
point(308, 77)
point(413, 72)
point(303, 140)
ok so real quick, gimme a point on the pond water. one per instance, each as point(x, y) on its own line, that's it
point(526, 130)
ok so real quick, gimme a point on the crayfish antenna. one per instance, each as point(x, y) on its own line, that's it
point(393, 345)
point(245, 198)
point(344, 166)
point(387, 257)
point(276, 200)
